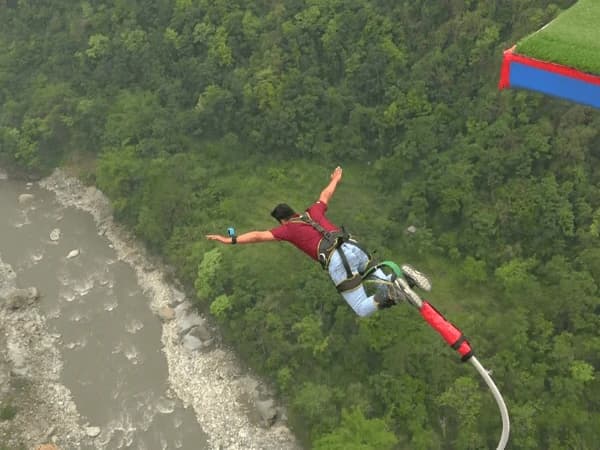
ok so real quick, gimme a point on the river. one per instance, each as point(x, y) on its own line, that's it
point(134, 382)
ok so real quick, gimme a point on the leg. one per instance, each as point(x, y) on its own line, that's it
point(357, 298)
point(361, 304)
point(398, 290)
point(385, 296)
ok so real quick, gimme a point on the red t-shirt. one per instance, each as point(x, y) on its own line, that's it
point(303, 235)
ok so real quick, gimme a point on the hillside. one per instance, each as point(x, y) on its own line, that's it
point(197, 115)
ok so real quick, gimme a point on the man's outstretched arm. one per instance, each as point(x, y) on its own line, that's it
point(329, 190)
point(250, 237)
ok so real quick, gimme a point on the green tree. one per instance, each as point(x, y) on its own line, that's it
point(464, 400)
point(198, 115)
point(357, 433)
point(208, 274)
point(315, 403)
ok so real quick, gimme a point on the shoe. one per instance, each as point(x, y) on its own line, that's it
point(383, 297)
point(403, 290)
point(415, 278)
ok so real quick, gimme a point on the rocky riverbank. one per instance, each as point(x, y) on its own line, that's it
point(34, 407)
point(234, 408)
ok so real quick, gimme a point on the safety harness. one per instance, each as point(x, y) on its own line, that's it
point(329, 243)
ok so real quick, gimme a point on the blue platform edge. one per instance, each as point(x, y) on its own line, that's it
point(531, 78)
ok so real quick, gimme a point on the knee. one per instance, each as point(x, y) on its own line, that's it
point(365, 312)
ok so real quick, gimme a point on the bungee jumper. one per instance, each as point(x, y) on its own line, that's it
point(351, 268)
point(348, 263)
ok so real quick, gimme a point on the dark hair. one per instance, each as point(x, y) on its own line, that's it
point(282, 211)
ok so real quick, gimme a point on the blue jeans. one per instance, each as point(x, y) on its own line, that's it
point(357, 298)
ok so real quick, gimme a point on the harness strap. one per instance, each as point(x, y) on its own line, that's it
point(350, 283)
point(332, 241)
point(354, 279)
point(345, 262)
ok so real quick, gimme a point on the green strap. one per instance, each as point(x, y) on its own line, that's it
point(355, 280)
point(390, 264)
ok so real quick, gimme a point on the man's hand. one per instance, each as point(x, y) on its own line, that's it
point(336, 175)
point(327, 193)
point(218, 237)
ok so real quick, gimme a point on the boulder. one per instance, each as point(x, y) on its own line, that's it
point(201, 331)
point(181, 310)
point(92, 431)
point(7, 279)
point(176, 298)
point(17, 355)
point(25, 198)
point(73, 253)
point(187, 322)
point(191, 343)
point(267, 411)
point(166, 314)
point(20, 298)
point(165, 405)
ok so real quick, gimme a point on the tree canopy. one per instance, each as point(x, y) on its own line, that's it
point(196, 115)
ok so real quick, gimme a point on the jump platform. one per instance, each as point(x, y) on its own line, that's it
point(562, 59)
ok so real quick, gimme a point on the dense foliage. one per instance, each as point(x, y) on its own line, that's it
point(195, 115)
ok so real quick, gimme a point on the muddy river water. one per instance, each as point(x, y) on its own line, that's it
point(134, 384)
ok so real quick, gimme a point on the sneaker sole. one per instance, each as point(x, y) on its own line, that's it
point(410, 296)
point(420, 280)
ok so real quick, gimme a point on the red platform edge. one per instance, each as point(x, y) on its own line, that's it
point(510, 56)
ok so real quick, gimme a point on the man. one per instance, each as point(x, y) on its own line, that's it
point(343, 257)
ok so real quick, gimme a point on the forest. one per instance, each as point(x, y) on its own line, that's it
point(197, 115)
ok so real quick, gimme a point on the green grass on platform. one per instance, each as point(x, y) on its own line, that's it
point(572, 39)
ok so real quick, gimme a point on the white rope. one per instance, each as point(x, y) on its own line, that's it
point(488, 380)
point(499, 400)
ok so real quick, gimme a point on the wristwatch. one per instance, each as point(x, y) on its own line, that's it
point(232, 235)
